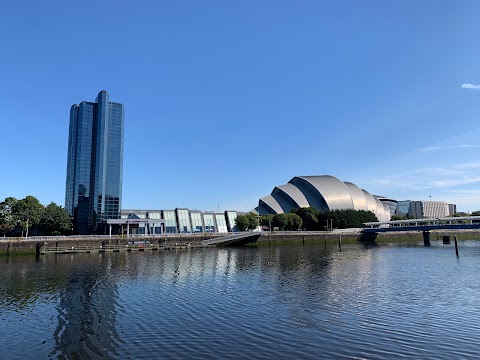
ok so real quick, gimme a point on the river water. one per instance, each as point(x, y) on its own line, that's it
point(269, 302)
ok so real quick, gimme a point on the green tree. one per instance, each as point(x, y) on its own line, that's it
point(344, 219)
point(287, 222)
point(475, 213)
point(279, 221)
point(247, 222)
point(253, 221)
point(242, 222)
point(309, 218)
point(398, 217)
point(266, 220)
point(7, 217)
point(55, 220)
point(28, 212)
point(294, 222)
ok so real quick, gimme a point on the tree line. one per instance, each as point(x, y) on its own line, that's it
point(308, 219)
point(28, 216)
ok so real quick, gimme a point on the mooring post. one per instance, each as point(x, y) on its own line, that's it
point(426, 238)
point(340, 242)
point(456, 245)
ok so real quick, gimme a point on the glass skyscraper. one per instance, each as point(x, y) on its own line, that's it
point(95, 163)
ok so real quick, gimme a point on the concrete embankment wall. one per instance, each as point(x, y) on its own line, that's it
point(355, 236)
point(31, 246)
point(305, 237)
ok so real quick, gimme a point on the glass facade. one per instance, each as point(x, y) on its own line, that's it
point(403, 207)
point(221, 223)
point(95, 163)
point(170, 221)
point(183, 219)
point(231, 220)
point(209, 222)
point(392, 205)
point(154, 228)
point(179, 221)
point(197, 223)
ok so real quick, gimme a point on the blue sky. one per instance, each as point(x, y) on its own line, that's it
point(226, 99)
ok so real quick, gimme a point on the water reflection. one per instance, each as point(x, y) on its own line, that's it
point(278, 302)
point(87, 310)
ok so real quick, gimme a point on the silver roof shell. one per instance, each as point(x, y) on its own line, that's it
point(333, 191)
point(358, 196)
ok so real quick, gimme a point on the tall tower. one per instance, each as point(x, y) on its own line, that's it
point(95, 163)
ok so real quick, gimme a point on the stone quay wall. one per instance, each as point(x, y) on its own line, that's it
point(10, 246)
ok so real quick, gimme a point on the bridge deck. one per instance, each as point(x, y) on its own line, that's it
point(450, 223)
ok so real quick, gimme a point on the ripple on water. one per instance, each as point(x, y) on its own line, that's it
point(277, 302)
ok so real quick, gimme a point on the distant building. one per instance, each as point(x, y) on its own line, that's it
point(323, 192)
point(403, 208)
point(429, 209)
point(452, 209)
point(93, 190)
point(391, 203)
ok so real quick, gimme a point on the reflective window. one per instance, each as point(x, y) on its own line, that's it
point(170, 221)
point(183, 219)
point(94, 163)
point(231, 220)
point(221, 223)
point(197, 223)
point(209, 222)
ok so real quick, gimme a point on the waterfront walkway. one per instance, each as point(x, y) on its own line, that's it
point(449, 223)
point(239, 238)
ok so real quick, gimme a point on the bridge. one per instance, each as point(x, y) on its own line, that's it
point(424, 225)
point(239, 238)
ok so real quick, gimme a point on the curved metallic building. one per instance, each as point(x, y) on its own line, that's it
point(323, 192)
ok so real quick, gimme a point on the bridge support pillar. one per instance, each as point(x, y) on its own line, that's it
point(426, 238)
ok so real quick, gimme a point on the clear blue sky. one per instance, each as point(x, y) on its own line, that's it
point(226, 99)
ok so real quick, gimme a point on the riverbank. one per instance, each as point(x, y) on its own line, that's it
point(22, 246)
point(352, 237)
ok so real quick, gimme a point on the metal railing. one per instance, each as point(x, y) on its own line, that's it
point(168, 235)
point(107, 237)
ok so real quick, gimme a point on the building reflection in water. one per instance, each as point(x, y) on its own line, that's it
point(100, 300)
point(87, 310)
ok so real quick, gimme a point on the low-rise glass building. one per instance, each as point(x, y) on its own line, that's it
point(181, 221)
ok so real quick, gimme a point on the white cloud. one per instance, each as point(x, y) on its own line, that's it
point(455, 182)
point(470, 86)
point(468, 165)
point(436, 171)
point(433, 148)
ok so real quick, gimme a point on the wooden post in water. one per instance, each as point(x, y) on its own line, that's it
point(426, 238)
point(340, 242)
point(456, 245)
